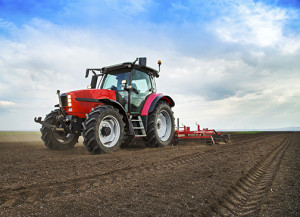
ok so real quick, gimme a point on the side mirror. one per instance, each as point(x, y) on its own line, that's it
point(94, 81)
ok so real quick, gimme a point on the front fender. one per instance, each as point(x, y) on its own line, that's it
point(118, 106)
point(109, 102)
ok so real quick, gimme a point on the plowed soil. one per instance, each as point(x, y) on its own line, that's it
point(253, 175)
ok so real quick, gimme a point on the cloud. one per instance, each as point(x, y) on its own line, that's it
point(6, 24)
point(263, 109)
point(234, 75)
point(6, 104)
point(216, 61)
point(259, 25)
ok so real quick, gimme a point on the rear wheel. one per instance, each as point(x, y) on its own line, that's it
point(103, 130)
point(160, 129)
point(57, 140)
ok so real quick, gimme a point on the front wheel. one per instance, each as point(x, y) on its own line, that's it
point(103, 130)
point(160, 129)
point(57, 140)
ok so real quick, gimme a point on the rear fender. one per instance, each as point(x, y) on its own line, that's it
point(150, 104)
point(152, 100)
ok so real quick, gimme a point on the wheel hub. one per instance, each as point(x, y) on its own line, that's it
point(109, 131)
point(164, 125)
point(158, 124)
point(106, 131)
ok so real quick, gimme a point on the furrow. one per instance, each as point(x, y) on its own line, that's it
point(245, 197)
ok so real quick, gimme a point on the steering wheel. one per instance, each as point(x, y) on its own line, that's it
point(113, 87)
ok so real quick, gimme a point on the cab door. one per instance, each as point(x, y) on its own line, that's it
point(142, 83)
point(114, 82)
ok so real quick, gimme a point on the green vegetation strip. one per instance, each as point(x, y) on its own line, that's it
point(19, 132)
point(247, 132)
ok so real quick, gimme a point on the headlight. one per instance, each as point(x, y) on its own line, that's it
point(69, 100)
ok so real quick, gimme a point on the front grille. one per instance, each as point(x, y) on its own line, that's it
point(64, 99)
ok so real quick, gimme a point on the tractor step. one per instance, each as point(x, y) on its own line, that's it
point(138, 126)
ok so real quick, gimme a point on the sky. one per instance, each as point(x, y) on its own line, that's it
point(228, 64)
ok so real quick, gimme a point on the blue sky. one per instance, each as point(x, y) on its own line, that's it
point(227, 64)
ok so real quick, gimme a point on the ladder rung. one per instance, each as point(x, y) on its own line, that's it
point(139, 128)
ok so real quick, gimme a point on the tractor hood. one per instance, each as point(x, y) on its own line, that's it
point(81, 102)
point(93, 94)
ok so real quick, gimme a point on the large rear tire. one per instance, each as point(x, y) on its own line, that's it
point(161, 128)
point(103, 130)
point(57, 140)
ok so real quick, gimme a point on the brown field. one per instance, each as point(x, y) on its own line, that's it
point(256, 174)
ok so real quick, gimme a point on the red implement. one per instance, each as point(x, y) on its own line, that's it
point(210, 135)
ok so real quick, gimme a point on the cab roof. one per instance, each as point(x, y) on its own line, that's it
point(124, 66)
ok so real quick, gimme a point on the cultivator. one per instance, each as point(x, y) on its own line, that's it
point(210, 136)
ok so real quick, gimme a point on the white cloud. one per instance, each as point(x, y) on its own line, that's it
point(6, 25)
point(210, 79)
point(136, 6)
point(259, 25)
point(179, 7)
point(268, 108)
point(6, 104)
point(249, 82)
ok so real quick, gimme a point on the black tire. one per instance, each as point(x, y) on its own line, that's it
point(57, 140)
point(159, 135)
point(208, 142)
point(147, 144)
point(101, 125)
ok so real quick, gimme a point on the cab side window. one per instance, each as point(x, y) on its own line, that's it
point(141, 81)
point(153, 84)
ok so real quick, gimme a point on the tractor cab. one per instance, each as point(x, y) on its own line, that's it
point(133, 83)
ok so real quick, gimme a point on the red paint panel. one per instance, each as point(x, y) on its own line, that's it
point(148, 103)
point(80, 108)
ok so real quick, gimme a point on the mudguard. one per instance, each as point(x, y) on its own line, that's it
point(150, 104)
point(109, 102)
point(152, 100)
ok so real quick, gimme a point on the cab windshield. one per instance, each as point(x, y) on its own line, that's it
point(141, 82)
point(114, 81)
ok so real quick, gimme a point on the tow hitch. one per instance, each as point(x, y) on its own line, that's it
point(49, 126)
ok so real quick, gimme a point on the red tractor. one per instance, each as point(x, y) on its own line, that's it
point(121, 103)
